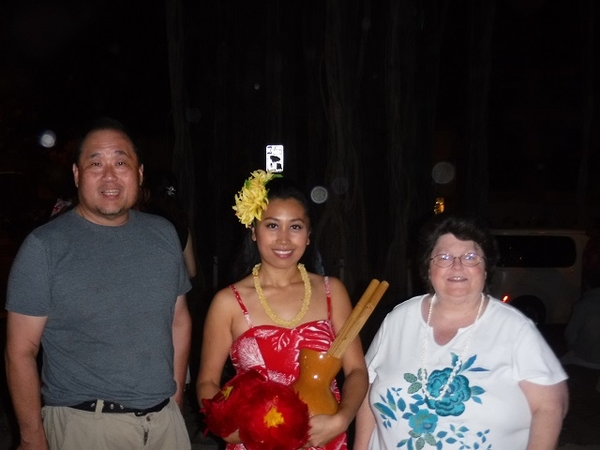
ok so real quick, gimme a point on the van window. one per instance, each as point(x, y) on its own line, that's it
point(536, 251)
point(540, 271)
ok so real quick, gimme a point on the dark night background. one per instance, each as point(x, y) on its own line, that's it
point(366, 96)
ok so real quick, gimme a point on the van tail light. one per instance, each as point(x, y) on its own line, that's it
point(505, 299)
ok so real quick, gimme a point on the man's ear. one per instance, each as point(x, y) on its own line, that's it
point(76, 175)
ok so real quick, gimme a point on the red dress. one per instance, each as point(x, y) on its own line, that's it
point(274, 352)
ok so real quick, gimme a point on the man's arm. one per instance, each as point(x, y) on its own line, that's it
point(182, 334)
point(23, 338)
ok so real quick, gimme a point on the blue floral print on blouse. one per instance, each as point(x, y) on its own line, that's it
point(423, 413)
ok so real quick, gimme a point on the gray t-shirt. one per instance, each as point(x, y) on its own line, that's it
point(109, 295)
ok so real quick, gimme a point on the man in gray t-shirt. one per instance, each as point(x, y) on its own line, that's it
point(102, 289)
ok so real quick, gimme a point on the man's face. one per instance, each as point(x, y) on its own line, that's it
point(107, 175)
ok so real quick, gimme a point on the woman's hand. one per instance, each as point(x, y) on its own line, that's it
point(324, 428)
point(233, 438)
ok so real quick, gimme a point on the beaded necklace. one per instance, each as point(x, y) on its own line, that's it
point(422, 374)
point(263, 300)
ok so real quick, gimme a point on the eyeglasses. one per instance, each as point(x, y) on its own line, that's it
point(467, 260)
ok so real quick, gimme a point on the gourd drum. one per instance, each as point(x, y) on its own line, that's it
point(317, 371)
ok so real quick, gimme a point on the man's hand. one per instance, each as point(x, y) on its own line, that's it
point(37, 442)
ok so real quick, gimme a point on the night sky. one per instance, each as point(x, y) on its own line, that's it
point(63, 62)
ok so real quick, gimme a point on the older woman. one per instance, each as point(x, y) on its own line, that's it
point(456, 368)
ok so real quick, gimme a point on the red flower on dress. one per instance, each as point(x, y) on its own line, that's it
point(221, 411)
point(269, 415)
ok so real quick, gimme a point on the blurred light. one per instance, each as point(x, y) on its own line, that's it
point(443, 173)
point(193, 115)
point(340, 186)
point(505, 299)
point(256, 86)
point(48, 139)
point(319, 194)
point(440, 205)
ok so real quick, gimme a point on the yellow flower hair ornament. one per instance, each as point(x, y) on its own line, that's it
point(252, 200)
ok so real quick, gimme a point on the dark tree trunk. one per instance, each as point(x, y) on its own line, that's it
point(480, 65)
point(342, 229)
point(313, 35)
point(412, 64)
point(400, 64)
point(587, 114)
point(183, 154)
point(184, 158)
point(273, 72)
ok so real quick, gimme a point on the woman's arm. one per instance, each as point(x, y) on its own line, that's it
point(325, 427)
point(189, 256)
point(548, 406)
point(365, 424)
point(216, 344)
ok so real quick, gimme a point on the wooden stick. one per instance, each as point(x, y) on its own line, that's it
point(354, 314)
point(358, 317)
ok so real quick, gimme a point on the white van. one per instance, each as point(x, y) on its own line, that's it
point(540, 271)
